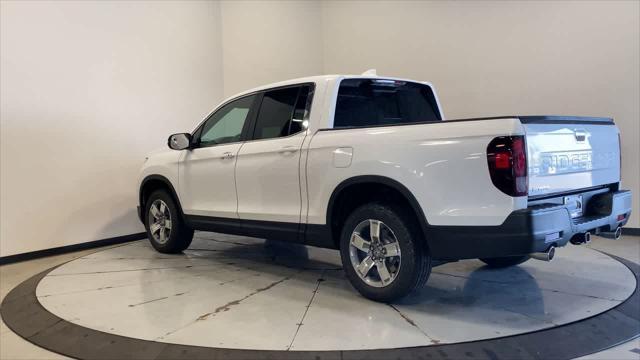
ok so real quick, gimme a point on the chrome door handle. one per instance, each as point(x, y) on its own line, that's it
point(227, 155)
point(288, 149)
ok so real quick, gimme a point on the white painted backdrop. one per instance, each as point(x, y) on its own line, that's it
point(87, 88)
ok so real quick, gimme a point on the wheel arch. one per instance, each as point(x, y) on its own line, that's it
point(155, 182)
point(341, 192)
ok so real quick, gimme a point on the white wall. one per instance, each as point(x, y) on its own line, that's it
point(269, 41)
point(503, 58)
point(87, 89)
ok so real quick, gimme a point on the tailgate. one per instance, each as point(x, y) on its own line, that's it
point(570, 153)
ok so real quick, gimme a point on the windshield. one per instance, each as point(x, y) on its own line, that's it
point(371, 102)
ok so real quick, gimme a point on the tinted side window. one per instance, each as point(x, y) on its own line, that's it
point(300, 119)
point(367, 102)
point(225, 125)
point(276, 112)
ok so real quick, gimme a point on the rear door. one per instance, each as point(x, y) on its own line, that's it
point(566, 154)
point(268, 165)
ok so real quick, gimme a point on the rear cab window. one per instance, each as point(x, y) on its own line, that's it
point(283, 112)
point(379, 102)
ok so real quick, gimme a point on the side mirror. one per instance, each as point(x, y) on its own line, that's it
point(179, 141)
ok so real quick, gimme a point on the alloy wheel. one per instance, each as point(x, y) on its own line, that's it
point(375, 253)
point(160, 221)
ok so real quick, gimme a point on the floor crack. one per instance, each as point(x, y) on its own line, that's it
point(413, 323)
point(227, 306)
point(158, 299)
point(109, 287)
point(130, 270)
point(239, 279)
point(149, 301)
point(306, 310)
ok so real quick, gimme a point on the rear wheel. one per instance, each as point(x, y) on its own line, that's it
point(165, 228)
point(502, 262)
point(383, 254)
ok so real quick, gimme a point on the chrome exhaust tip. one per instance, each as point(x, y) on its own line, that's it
point(616, 234)
point(544, 256)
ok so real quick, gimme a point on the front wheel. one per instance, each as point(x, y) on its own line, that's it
point(165, 228)
point(502, 262)
point(382, 252)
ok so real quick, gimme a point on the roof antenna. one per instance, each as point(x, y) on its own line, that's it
point(370, 72)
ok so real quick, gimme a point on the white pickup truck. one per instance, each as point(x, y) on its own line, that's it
point(368, 165)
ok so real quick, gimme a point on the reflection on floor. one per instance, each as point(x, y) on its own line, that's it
point(301, 293)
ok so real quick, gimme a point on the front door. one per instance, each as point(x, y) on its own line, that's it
point(207, 177)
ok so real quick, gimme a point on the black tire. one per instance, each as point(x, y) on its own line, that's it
point(415, 265)
point(179, 235)
point(502, 262)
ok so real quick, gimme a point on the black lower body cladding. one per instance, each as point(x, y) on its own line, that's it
point(534, 229)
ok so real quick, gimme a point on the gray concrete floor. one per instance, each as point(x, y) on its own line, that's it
point(14, 347)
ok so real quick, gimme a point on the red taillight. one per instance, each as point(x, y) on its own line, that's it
point(503, 160)
point(507, 157)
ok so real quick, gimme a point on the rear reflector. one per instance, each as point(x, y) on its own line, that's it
point(622, 217)
point(507, 159)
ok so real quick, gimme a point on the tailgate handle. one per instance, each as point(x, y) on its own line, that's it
point(580, 135)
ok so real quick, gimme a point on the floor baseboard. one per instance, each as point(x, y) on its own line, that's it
point(4, 260)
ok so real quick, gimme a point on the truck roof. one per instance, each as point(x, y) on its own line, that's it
point(306, 79)
point(316, 79)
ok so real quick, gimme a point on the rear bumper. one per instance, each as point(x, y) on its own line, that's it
point(529, 230)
